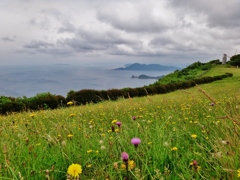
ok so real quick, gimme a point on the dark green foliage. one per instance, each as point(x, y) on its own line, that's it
point(131, 92)
point(235, 60)
point(84, 96)
point(10, 107)
point(114, 94)
point(103, 95)
point(229, 74)
point(44, 100)
point(161, 89)
point(198, 80)
point(61, 100)
point(141, 91)
point(151, 90)
point(207, 79)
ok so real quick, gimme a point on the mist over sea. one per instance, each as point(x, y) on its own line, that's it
point(59, 79)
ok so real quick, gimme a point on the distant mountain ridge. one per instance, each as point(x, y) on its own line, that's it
point(147, 67)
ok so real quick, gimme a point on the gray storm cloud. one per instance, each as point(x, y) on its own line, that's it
point(189, 30)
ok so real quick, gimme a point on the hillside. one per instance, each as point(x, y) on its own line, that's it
point(185, 134)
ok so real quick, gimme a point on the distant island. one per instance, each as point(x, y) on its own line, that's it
point(147, 67)
point(143, 76)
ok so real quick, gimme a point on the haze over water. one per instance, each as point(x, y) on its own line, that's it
point(59, 79)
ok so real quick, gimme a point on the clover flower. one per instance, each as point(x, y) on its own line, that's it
point(125, 156)
point(118, 123)
point(135, 141)
point(134, 118)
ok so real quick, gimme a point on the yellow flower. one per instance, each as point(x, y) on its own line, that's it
point(114, 121)
point(70, 103)
point(194, 136)
point(74, 170)
point(131, 164)
point(238, 171)
point(89, 165)
point(70, 135)
point(123, 166)
point(174, 149)
point(32, 115)
point(71, 115)
point(89, 151)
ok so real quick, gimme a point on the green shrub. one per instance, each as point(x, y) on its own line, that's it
point(141, 91)
point(161, 89)
point(114, 94)
point(85, 96)
point(132, 92)
point(151, 90)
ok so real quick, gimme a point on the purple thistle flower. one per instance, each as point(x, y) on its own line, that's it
point(134, 118)
point(125, 157)
point(212, 104)
point(135, 141)
point(119, 123)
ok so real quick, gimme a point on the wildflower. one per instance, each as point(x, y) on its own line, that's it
point(103, 147)
point(134, 118)
point(131, 164)
point(174, 149)
point(119, 123)
point(194, 136)
point(70, 135)
point(123, 166)
point(74, 170)
point(238, 171)
point(135, 141)
point(114, 121)
point(212, 104)
point(70, 103)
point(89, 166)
point(32, 115)
point(125, 156)
point(89, 151)
point(149, 143)
point(72, 115)
point(115, 165)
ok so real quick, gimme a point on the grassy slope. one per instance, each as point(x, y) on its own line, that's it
point(160, 121)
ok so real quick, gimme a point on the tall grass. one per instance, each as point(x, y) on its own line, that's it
point(190, 134)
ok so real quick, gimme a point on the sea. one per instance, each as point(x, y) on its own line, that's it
point(59, 79)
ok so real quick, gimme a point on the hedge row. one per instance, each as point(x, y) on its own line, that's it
point(82, 97)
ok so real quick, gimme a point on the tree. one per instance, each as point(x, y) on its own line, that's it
point(235, 60)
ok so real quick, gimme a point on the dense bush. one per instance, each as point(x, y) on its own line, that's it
point(161, 89)
point(114, 94)
point(141, 91)
point(131, 92)
point(151, 90)
point(84, 96)
point(235, 60)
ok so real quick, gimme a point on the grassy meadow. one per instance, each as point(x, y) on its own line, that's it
point(186, 134)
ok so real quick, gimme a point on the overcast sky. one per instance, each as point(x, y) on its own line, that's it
point(168, 32)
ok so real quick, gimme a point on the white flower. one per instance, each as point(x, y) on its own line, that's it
point(103, 147)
